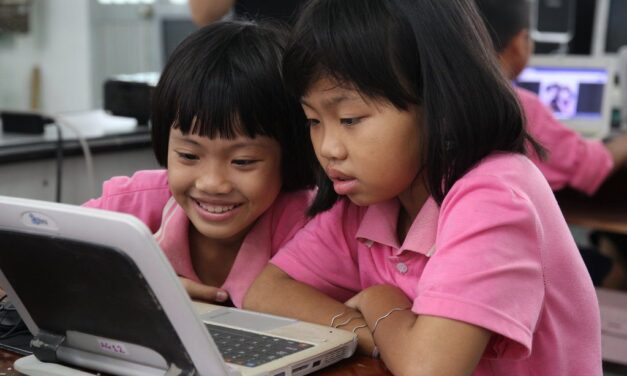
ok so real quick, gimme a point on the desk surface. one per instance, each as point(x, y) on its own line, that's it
point(19, 148)
point(605, 211)
point(355, 366)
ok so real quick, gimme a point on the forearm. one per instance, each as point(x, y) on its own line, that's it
point(206, 11)
point(276, 293)
point(431, 345)
point(618, 149)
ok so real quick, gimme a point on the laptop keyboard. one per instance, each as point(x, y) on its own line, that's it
point(251, 349)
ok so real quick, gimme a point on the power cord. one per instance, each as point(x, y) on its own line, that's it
point(61, 123)
point(11, 324)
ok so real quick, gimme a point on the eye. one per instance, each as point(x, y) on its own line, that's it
point(350, 121)
point(312, 122)
point(244, 162)
point(187, 156)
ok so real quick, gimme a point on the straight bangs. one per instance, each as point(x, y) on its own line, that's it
point(359, 44)
point(223, 81)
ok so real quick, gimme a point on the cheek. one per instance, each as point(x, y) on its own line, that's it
point(262, 187)
point(316, 139)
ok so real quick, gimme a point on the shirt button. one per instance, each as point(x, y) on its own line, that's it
point(401, 267)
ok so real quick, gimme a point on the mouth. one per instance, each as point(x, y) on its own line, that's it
point(216, 209)
point(342, 184)
point(338, 176)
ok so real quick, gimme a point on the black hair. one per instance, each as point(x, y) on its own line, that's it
point(224, 80)
point(504, 19)
point(431, 53)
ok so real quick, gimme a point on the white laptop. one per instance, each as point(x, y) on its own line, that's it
point(97, 293)
point(577, 89)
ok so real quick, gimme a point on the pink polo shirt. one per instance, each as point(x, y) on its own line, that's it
point(147, 196)
point(572, 160)
point(496, 254)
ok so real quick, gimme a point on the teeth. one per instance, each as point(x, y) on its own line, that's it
point(216, 209)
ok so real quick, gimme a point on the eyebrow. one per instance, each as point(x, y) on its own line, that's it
point(333, 101)
point(185, 140)
point(238, 145)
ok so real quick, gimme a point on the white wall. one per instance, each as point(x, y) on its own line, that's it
point(59, 43)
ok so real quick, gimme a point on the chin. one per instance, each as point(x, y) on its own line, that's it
point(361, 200)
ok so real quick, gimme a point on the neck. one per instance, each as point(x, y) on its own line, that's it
point(213, 258)
point(412, 200)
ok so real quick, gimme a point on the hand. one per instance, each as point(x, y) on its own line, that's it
point(373, 293)
point(198, 291)
point(355, 301)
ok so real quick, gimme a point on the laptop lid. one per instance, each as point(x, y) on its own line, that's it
point(576, 89)
point(96, 291)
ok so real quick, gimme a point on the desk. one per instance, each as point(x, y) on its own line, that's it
point(28, 164)
point(355, 366)
point(605, 211)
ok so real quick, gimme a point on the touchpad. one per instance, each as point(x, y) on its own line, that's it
point(246, 320)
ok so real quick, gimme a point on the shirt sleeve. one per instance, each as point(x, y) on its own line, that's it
point(487, 267)
point(143, 195)
point(572, 160)
point(323, 254)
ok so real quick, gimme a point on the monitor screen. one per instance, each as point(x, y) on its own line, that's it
point(616, 35)
point(571, 93)
point(174, 30)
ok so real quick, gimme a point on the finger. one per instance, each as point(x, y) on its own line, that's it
point(203, 292)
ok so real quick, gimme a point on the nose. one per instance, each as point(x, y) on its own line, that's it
point(328, 142)
point(214, 180)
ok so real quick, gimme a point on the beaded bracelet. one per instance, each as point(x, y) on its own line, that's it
point(347, 321)
point(376, 323)
point(375, 352)
point(336, 317)
point(359, 327)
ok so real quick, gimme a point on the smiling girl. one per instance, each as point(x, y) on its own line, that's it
point(237, 161)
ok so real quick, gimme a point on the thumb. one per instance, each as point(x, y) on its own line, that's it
point(199, 291)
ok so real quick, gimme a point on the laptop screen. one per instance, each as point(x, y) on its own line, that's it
point(571, 93)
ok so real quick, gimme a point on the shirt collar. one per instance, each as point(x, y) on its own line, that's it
point(253, 255)
point(380, 222)
point(173, 238)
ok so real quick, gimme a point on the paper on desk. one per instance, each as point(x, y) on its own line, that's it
point(90, 124)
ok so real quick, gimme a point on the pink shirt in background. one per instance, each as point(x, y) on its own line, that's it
point(496, 254)
point(147, 196)
point(572, 160)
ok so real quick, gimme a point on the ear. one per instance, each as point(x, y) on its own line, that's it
point(515, 55)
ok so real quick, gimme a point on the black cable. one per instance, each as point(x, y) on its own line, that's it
point(59, 157)
point(9, 331)
point(59, 163)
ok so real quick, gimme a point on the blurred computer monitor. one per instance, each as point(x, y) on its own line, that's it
point(173, 23)
point(576, 89)
point(622, 78)
point(553, 21)
point(610, 28)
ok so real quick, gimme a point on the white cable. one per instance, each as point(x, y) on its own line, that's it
point(89, 164)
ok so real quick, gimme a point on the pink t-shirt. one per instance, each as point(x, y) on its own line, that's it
point(147, 196)
point(497, 254)
point(572, 160)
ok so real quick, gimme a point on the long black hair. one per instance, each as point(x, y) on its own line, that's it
point(504, 19)
point(225, 79)
point(431, 53)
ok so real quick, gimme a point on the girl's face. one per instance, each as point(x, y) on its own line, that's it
point(369, 150)
point(223, 185)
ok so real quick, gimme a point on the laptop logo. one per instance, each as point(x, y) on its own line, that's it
point(38, 220)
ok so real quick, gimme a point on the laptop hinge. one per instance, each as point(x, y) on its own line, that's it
point(176, 371)
point(45, 346)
